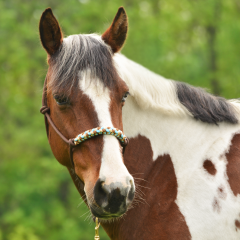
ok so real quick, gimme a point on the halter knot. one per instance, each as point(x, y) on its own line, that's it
point(71, 142)
point(44, 109)
point(125, 143)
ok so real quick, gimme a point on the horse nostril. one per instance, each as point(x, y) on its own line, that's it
point(131, 192)
point(100, 193)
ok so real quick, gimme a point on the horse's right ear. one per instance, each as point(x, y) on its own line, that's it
point(50, 32)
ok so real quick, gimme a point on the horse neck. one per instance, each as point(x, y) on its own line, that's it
point(165, 151)
point(154, 112)
point(150, 90)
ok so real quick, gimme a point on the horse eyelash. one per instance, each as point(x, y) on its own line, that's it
point(125, 96)
point(60, 99)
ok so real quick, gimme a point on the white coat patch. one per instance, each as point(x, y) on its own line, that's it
point(209, 214)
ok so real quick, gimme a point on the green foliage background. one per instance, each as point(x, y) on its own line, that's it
point(188, 40)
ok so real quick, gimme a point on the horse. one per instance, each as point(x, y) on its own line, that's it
point(153, 158)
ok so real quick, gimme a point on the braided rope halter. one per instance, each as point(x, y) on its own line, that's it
point(72, 142)
point(101, 131)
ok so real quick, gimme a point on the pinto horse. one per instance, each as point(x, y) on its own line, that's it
point(183, 156)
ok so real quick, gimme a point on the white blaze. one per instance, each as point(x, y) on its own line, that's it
point(112, 166)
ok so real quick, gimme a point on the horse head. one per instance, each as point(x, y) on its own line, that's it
point(84, 91)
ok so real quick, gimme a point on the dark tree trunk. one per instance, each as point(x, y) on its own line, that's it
point(212, 30)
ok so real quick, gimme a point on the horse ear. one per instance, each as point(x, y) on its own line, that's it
point(50, 32)
point(116, 34)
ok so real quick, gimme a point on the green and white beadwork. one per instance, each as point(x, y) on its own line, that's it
point(100, 131)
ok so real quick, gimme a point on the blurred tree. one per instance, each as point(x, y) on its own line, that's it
point(192, 41)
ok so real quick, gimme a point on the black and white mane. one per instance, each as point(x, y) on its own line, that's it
point(81, 52)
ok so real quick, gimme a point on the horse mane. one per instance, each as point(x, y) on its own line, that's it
point(88, 51)
point(171, 97)
point(204, 106)
point(76, 54)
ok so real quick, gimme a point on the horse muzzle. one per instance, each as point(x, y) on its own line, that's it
point(112, 200)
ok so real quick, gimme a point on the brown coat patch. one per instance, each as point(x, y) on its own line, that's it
point(221, 193)
point(233, 166)
point(160, 217)
point(237, 224)
point(209, 167)
point(216, 205)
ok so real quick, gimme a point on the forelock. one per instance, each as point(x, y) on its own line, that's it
point(76, 54)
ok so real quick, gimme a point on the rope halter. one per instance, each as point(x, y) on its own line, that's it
point(101, 131)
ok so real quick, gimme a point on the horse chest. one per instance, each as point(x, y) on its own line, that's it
point(182, 203)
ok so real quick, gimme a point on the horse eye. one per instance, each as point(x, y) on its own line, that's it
point(125, 96)
point(61, 100)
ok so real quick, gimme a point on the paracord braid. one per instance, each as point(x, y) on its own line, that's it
point(100, 131)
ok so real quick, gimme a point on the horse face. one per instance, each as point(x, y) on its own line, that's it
point(85, 92)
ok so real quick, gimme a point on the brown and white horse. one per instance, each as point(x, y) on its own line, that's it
point(184, 144)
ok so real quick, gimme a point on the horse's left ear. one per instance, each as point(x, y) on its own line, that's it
point(50, 32)
point(116, 34)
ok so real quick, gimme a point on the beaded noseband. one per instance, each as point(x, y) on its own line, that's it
point(99, 131)
point(72, 142)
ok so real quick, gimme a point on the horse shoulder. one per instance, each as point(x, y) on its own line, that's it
point(233, 165)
